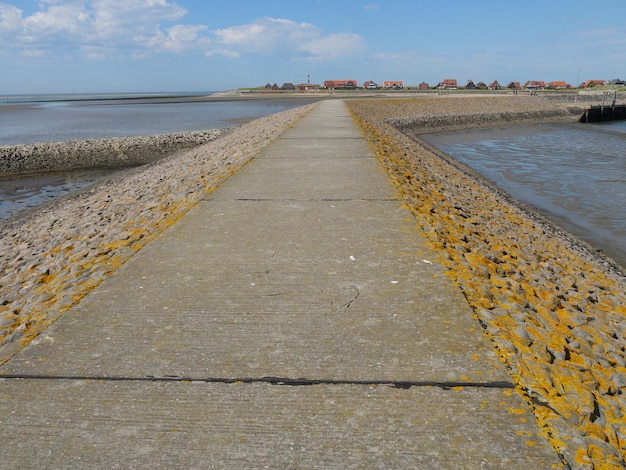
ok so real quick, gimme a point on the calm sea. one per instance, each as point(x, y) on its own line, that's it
point(28, 119)
point(49, 118)
point(574, 174)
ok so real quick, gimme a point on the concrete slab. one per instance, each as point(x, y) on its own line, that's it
point(334, 290)
point(332, 125)
point(206, 425)
point(303, 147)
point(324, 179)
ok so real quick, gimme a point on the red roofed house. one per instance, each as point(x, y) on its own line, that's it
point(534, 85)
point(447, 84)
point(591, 83)
point(340, 84)
point(494, 85)
point(558, 85)
point(396, 85)
point(370, 85)
point(423, 86)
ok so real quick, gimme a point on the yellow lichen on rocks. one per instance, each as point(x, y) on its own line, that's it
point(555, 312)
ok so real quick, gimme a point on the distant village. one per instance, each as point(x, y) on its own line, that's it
point(446, 84)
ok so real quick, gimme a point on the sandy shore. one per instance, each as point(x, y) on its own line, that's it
point(554, 309)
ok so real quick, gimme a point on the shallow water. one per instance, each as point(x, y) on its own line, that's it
point(29, 191)
point(574, 174)
point(55, 121)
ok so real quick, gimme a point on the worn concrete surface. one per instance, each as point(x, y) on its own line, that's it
point(295, 318)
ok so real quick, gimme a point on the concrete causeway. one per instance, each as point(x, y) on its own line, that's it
point(294, 318)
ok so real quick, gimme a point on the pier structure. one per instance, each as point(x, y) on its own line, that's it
point(294, 318)
point(609, 110)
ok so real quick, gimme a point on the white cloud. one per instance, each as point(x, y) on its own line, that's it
point(334, 46)
point(100, 29)
point(124, 19)
point(178, 38)
point(264, 36)
point(10, 19)
point(71, 19)
point(78, 24)
point(268, 36)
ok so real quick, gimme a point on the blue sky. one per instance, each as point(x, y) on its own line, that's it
point(87, 46)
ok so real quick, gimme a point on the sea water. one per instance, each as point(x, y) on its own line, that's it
point(574, 174)
point(28, 119)
point(38, 118)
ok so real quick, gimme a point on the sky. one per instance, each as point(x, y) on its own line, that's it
point(94, 46)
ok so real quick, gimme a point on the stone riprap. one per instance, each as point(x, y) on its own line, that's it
point(452, 112)
point(554, 309)
point(99, 153)
point(51, 258)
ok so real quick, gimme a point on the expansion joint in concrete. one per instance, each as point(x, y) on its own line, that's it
point(325, 138)
point(294, 382)
point(392, 199)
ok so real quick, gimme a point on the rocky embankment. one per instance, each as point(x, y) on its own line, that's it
point(99, 153)
point(50, 259)
point(461, 112)
point(554, 309)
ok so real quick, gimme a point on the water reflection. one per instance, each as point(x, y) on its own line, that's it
point(32, 190)
point(574, 174)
